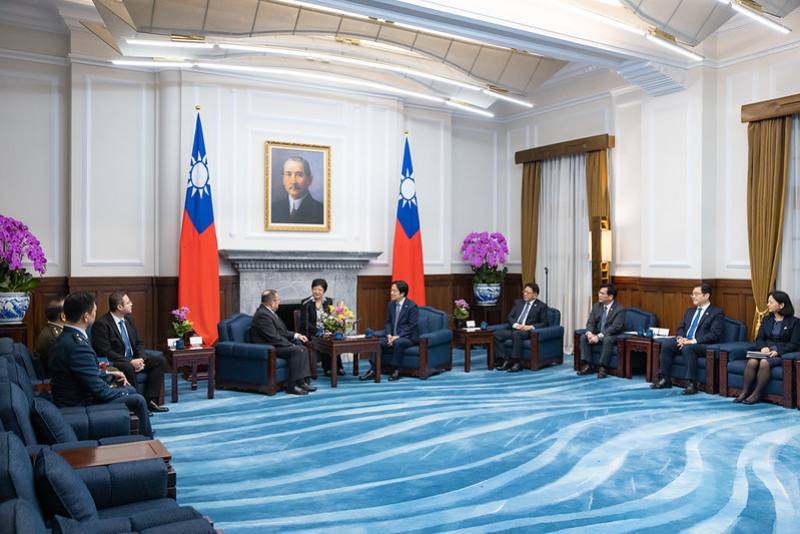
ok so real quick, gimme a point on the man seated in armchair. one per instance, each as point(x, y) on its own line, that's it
point(401, 327)
point(527, 314)
point(115, 337)
point(606, 321)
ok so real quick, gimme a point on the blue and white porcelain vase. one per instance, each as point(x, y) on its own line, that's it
point(13, 307)
point(486, 294)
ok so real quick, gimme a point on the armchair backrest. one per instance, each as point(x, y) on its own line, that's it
point(553, 317)
point(431, 320)
point(16, 471)
point(235, 328)
point(733, 330)
point(636, 320)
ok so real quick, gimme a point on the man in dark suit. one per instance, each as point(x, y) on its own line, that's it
point(300, 207)
point(75, 370)
point(115, 337)
point(701, 325)
point(605, 323)
point(527, 314)
point(402, 329)
point(48, 335)
point(267, 328)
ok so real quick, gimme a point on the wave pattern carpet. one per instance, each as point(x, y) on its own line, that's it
point(485, 452)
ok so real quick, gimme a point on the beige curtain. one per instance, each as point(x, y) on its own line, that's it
point(767, 176)
point(531, 189)
point(597, 185)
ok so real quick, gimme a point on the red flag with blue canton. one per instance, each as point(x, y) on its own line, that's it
point(407, 252)
point(198, 272)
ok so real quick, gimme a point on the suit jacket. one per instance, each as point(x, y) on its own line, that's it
point(46, 339)
point(308, 315)
point(787, 341)
point(107, 341)
point(76, 377)
point(709, 329)
point(268, 328)
point(407, 322)
point(615, 321)
point(537, 315)
point(311, 211)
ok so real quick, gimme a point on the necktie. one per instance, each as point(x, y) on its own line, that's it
point(397, 317)
point(125, 338)
point(524, 314)
point(603, 318)
point(693, 327)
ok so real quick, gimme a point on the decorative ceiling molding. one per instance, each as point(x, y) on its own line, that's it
point(654, 79)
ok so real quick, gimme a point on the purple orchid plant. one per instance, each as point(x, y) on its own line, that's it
point(486, 253)
point(17, 242)
point(461, 309)
point(180, 321)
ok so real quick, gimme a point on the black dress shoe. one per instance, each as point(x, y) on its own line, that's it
point(308, 387)
point(154, 407)
point(602, 373)
point(516, 368)
point(662, 384)
point(504, 366)
point(296, 390)
point(340, 371)
point(751, 400)
point(585, 369)
point(499, 363)
point(394, 376)
point(368, 375)
point(691, 389)
point(740, 398)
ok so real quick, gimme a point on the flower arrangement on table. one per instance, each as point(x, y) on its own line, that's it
point(338, 319)
point(486, 254)
point(180, 321)
point(461, 310)
point(17, 242)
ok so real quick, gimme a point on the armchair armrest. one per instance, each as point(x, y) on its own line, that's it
point(792, 356)
point(548, 332)
point(243, 351)
point(580, 331)
point(500, 326)
point(736, 350)
point(437, 337)
point(379, 333)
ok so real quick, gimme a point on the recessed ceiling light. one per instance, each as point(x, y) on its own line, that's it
point(169, 44)
point(469, 108)
point(507, 98)
point(668, 41)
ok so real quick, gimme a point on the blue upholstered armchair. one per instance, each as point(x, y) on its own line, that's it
point(732, 361)
point(544, 347)
point(434, 352)
point(636, 320)
point(244, 365)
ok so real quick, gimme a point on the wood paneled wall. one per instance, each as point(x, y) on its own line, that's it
point(668, 298)
point(153, 299)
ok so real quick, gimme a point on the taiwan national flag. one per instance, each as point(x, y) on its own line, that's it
point(198, 273)
point(407, 252)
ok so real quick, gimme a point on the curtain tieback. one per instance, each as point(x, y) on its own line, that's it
point(759, 317)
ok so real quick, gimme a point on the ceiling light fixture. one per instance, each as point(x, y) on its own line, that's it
point(315, 7)
point(150, 63)
point(471, 109)
point(755, 11)
point(169, 44)
point(669, 42)
point(507, 98)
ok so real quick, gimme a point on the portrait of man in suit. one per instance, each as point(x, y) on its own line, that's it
point(297, 187)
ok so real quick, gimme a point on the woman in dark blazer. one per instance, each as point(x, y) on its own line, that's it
point(311, 319)
point(779, 334)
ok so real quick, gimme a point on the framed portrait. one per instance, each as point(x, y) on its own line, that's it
point(297, 188)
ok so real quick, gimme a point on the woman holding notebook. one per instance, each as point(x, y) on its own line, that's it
point(779, 334)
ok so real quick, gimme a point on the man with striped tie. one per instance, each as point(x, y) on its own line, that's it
point(701, 325)
point(527, 314)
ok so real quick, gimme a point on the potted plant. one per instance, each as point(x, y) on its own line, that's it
point(486, 254)
point(182, 325)
point(338, 320)
point(17, 242)
point(460, 312)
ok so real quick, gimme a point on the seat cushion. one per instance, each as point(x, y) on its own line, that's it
point(128, 510)
point(49, 424)
point(20, 517)
point(114, 525)
point(16, 471)
point(61, 491)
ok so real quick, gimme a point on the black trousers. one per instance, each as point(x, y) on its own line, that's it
point(138, 406)
point(325, 358)
point(517, 337)
point(393, 356)
point(155, 365)
point(607, 344)
point(691, 353)
point(296, 357)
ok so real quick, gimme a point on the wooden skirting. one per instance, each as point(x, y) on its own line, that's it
point(153, 298)
point(668, 298)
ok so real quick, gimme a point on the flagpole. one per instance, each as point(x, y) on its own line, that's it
point(197, 107)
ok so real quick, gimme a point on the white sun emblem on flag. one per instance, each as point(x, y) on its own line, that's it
point(198, 177)
point(408, 191)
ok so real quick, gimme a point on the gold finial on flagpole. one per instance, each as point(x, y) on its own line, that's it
point(405, 131)
point(197, 107)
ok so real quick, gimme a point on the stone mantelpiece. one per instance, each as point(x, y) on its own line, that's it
point(291, 273)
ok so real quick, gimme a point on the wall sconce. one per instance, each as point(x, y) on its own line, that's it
point(605, 245)
point(600, 241)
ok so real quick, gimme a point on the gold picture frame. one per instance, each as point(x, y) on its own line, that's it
point(292, 202)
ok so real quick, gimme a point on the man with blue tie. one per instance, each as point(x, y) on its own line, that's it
point(114, 336)
point(606, 321)
point(528, 313)
point(402, 330)
point(701, 325)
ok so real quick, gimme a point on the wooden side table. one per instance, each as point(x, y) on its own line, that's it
point(469, 339)
point(192, 358)
point(20, 333)
point(639, 344)
point(334, 347)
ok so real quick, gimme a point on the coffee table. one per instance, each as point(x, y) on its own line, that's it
point(334, 347)
point(192, 358)
point(469, 339)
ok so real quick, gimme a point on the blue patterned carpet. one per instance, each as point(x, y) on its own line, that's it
point(485, 452)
